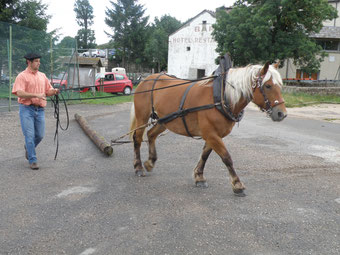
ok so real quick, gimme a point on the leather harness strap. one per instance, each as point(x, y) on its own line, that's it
point(219, 88)
point(154, 114)
point(182, 112)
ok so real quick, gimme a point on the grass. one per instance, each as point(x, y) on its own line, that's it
point(304, 99)
point(99, 98)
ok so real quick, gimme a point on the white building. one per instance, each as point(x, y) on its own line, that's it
point(192, 52)
point(329, 39)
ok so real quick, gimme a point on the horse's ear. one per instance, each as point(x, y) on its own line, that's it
point(264, 69)
point(276, 65)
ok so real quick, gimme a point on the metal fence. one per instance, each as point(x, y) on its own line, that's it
point(56, 61)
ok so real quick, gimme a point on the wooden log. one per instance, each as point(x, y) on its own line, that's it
point(98, 140)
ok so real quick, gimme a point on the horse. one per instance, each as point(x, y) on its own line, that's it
point(161, 97)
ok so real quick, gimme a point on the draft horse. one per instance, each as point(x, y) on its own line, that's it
point(159, 96)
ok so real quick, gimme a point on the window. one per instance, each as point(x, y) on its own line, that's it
point(331, 45)
point(119, 77)
point(109, 77)
point(301, 75)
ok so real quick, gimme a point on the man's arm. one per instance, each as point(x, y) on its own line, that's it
point(23, 94)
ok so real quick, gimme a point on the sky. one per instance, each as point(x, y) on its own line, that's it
point(64, 18)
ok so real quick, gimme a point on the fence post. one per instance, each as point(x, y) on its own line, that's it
point(10, 69)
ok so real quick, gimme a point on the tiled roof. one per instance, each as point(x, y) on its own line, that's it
point(328, 32)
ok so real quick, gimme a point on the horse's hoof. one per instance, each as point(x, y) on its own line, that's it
point(201, 184)
point(148, 166)
point(239, 193)
point(140, 173)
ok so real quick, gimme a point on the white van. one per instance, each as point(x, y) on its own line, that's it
point(119, 70)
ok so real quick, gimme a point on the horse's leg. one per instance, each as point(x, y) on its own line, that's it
point(218, 146)
point(200, 180)
point(137, 142)
point(152, 135)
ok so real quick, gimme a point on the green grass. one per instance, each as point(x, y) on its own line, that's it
point(99, 98)
point(304, 99)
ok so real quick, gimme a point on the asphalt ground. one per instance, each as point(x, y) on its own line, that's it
point(87, 203)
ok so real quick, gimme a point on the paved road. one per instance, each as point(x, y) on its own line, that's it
point(86, 203)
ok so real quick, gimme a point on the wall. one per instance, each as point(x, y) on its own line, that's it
point(184, 63)
point(334, 22)
point(329, 69)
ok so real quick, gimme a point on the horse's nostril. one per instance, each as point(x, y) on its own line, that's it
point(281, 115)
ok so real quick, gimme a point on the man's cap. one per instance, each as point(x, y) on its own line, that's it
point(32, 56)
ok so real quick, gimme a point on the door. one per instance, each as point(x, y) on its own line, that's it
point(200, 73)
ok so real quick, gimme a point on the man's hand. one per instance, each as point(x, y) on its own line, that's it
point(53, 92)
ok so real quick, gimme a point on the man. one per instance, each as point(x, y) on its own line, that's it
point(32, 87)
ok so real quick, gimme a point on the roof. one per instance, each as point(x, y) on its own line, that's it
point(328, 32)
point(213, 14)
point(83, 61)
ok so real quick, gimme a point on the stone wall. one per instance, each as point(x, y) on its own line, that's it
point(313, 90)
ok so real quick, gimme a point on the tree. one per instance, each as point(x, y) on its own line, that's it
point(8, 10)
point(84, 17)
point(23, 15)
point(156, 49)
point(267, 30)
point(129, 26)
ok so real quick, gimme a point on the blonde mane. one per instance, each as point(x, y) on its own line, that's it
point(239, 82)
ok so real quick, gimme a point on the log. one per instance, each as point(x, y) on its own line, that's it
point(98, 140)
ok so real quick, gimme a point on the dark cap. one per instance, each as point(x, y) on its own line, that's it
point(32, 56)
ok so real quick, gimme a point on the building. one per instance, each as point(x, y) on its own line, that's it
point(192, 52)
point(329, 39)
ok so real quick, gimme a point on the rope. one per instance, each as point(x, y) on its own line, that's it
point(55, 102)
point(144, 91)
point(115, 141)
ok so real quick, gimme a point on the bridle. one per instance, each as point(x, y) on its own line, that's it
point(269, 106)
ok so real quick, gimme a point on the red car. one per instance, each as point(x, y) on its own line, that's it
point(56, 82)
point(114, 83)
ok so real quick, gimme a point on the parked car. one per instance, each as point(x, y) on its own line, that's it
point(94, 53)
point(59, 82)
point(113, 83)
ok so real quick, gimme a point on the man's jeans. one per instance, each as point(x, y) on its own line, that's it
point(32, 120)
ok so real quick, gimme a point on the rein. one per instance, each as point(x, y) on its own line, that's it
point(58, 123)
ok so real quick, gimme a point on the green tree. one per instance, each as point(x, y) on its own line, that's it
point(267, 30)
point(129, 26)
point(156, 49)
point(25, 14)
point(8, 10)
point(84, 17)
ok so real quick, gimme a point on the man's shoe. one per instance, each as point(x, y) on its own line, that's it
point(26, 154)
point(34, 166)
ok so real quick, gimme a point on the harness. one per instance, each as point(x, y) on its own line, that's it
point(218, 93)
point(269, 106)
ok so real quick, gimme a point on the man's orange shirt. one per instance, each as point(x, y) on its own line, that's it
point(31, 82)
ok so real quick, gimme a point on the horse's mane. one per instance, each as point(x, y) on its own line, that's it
point(239, 82)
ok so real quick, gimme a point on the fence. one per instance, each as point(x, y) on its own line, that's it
point(56, 62)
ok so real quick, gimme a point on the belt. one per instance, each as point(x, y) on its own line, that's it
point(36, 106)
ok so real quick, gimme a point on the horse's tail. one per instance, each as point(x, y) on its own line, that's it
point(133, 124)
point(132, 120)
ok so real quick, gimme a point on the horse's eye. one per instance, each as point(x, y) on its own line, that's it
point(268, 86)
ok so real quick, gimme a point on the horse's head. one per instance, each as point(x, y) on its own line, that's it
point(267, 92)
